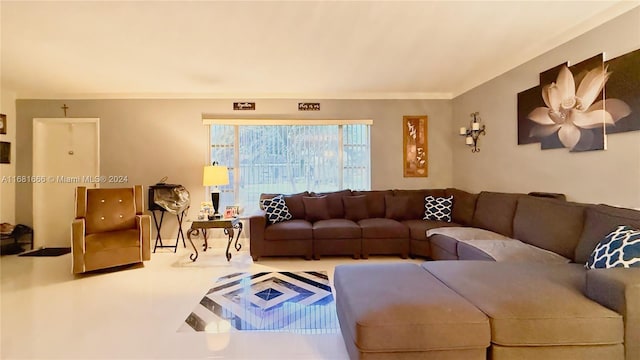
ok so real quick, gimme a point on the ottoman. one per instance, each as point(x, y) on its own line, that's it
point(401, 311)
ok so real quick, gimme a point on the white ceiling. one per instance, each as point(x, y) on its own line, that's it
point(305, 49)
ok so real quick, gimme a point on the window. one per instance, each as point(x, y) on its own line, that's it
point(287, 159)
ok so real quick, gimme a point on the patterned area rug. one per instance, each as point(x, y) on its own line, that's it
point(299, 302)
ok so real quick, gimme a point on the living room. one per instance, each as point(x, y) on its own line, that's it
point(147, 138)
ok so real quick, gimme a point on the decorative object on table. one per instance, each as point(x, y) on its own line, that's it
point(173, 198)
point(214, 176)
point(415, 146)
point(232, 210)
point(569, 109)
point(5, 152)
point(473, 132)
point(3, 124)
point(244, 105)
point(297, 302)
point(206, 209)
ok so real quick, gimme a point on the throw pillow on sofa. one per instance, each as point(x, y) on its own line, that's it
point(396, 207)
point(438, 208)
point(621, 248)
point(276, 209)
point(316, 208)
point(355, 207)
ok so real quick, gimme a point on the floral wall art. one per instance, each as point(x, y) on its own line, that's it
point(415, 146)
point(575, 107)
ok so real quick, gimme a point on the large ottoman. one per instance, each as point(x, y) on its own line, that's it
point(401, 311)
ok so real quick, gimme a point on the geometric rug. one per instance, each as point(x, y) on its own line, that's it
point(299, 302)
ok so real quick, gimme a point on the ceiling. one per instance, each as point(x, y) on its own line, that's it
point(269, 49)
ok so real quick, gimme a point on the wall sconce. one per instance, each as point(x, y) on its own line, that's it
point(475, 129)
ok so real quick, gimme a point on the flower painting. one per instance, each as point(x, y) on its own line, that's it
point(569, 108)
point(415, 146)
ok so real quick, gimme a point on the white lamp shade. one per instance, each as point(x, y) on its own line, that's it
point(215, 175)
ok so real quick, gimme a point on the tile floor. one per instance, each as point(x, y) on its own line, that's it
point(136, 312)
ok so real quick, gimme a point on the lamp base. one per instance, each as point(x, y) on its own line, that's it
point(215, 202)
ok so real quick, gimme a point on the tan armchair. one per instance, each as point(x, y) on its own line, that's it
point(109, 229)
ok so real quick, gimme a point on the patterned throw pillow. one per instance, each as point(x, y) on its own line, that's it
point(276, 209)
point(621, 248)
point(438, 208)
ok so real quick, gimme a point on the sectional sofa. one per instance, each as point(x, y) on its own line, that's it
point(521, 293)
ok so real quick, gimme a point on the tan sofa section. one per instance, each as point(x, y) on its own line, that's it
point(418, 317)
point(537, 305)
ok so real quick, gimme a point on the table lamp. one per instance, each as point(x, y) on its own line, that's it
point(215, 175)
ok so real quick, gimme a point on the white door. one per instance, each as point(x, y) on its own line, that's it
point(66, 154)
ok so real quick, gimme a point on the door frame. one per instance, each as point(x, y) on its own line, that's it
point(36, 163)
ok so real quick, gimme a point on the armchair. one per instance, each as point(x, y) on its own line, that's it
point(109, 229)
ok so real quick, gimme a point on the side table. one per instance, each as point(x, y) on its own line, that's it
point(227, 224)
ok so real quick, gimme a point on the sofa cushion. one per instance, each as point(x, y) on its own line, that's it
point(532, 304)
point(621, 248)
point(334, 202)
point(396, 207)
point(464, 205)
point(316, 208)
point(276, 209)
point(289, 230)
point(418, 228)
point(512, 250)
point(110, 210)
point(438, 208)
point(600, 220)
point(495, 211)
point(336, 229)
point(381, 228)
point(112, 240)
point(467, 233)
point(293, 201)
point(415, 207)
point(550, 224)
point(375, 202)
point(355, 207)
point(405, 318)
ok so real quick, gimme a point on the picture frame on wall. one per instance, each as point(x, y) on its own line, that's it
point(3, 124)
point(415, 146)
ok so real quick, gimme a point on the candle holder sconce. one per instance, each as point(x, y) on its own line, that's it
point(475, 130)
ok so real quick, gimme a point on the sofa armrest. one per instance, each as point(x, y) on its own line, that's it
point(143, 223)
point(619, 290)
point(77, 245)
point(257, 224)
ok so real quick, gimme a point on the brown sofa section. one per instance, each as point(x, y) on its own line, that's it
point(357, 224)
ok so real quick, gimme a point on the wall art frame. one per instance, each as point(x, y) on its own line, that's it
point(415, 146)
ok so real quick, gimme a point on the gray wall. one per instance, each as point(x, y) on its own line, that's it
point(148, 139)
point(611, 176)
